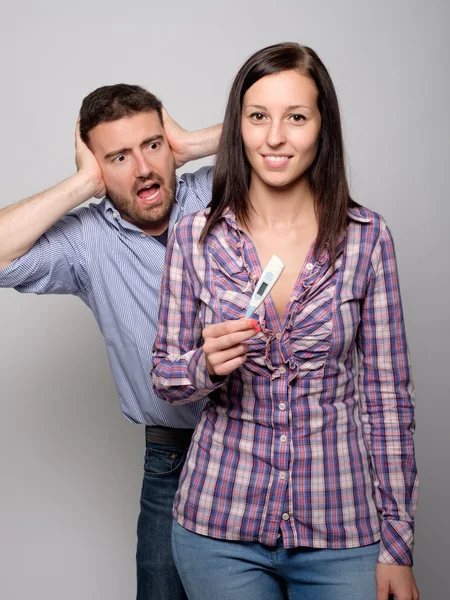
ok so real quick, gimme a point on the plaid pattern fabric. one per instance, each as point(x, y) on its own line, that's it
point(312, 436)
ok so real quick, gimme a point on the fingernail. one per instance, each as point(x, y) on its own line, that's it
point(257, 328)
point(253, 322)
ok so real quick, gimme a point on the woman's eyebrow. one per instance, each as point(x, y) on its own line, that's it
point(290, 107)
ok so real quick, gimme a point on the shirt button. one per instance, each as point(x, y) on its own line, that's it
point(309, 267)
point(279, 335)
point(282, 475)
point(285, 517)
point(143, 235)
point(282, 406)
point(282, 370)
point(283, 438)
point(116, 215)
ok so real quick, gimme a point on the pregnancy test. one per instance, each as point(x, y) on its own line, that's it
point(265, 284)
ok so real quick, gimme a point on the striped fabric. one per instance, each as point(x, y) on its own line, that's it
point(293, 442)
point(116, 270)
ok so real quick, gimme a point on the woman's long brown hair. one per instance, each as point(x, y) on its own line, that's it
point(327, 177)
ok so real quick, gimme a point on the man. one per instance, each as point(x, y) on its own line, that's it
point(111, 255)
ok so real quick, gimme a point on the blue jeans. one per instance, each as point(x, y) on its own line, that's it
point(212, 568)
point(157, 577)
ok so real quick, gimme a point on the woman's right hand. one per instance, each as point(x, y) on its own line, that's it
point(224, 345)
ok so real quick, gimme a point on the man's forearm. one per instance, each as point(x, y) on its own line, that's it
point(203, 142)
point(190, 145)
point(23, 223)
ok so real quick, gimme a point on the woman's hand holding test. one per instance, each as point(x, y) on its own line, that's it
point(224, 345)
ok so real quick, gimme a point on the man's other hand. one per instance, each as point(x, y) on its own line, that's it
point(86, 162)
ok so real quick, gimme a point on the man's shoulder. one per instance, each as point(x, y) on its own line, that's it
point(89, 218)
point(194, 189)
point(94, 211)
point(202, 176)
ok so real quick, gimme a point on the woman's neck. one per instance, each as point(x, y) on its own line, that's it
point(276, 208)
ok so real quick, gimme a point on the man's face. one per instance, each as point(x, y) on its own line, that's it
point(138, 168)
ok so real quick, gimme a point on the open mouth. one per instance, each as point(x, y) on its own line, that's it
point(150, 193)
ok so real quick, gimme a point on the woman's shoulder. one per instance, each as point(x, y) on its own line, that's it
point(374, 224)
point(368, 234)
point(359, 213)
point(190, 226)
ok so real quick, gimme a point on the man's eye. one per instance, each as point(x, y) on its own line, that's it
point(257, 116)
point(119, 158)
point(154, 145)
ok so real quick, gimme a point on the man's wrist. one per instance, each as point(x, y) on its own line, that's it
point(89, 184)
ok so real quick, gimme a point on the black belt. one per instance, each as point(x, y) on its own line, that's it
point(168, 436)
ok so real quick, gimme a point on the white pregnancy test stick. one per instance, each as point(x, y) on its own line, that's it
point(265, 284)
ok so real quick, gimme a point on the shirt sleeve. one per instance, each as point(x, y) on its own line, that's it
point(179, 371)
point(387, 407)
point(200, 183)
point(56, 264)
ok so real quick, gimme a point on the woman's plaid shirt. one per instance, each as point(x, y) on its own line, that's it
point(312, 436)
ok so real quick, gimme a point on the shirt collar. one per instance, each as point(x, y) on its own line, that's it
point(229, 216)
point(180, 184)
point(109, 207)
point(113, 215)
point(360, 214)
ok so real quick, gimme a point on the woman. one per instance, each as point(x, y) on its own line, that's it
point(300, 481)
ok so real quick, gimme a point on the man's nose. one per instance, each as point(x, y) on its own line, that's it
point(142, 167)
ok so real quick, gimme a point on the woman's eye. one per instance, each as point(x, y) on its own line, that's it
point(297, 118)
point(257, 116)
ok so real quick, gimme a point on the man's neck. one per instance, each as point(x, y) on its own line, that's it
point(155, 228)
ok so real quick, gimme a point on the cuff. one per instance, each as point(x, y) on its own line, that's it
point(397, 543)
point(199, 376)
point(8, 275)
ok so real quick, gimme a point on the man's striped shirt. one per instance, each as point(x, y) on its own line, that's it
point(116, 269)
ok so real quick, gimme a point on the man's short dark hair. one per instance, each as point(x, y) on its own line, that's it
point(113, 102)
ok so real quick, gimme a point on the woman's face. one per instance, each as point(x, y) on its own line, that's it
point(280, 127)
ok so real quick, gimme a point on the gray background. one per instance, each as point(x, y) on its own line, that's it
point(70, 464)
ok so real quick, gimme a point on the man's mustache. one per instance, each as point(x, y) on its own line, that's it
point(149, 180)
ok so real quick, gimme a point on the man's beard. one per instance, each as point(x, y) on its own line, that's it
point(141, 215)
